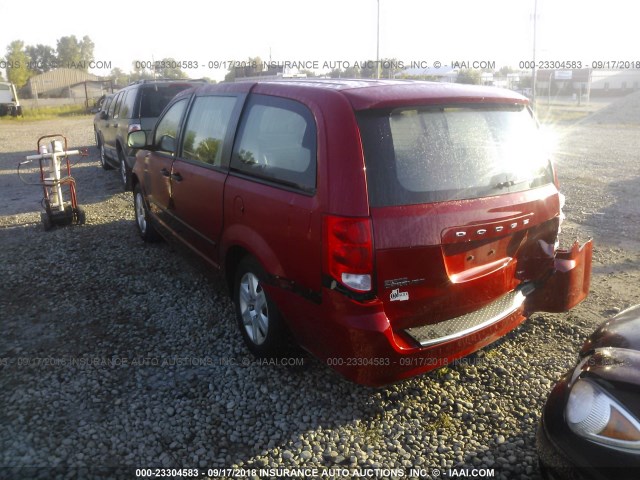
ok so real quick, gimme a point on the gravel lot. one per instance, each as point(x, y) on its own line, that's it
point(116, 355)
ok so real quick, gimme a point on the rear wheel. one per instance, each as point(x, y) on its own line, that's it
point(145, 228)
point(103, 155)
point(258, 318)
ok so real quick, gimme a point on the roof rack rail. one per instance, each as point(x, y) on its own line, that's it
point(152, 80)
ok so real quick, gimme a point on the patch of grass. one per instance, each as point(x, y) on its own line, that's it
point(551, 115)
point(443, 422)
point(492, 354)
point(47, 113)
point(369, 433)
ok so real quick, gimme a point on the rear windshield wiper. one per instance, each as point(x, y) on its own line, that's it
point(509, 183)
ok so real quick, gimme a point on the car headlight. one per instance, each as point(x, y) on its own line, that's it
point(594, 415)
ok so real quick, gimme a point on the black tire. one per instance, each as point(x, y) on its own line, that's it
point(46, 221)
point(147, 231)
point(125, 172)
point(263, 329)
point(104, 163)
point(80, 216)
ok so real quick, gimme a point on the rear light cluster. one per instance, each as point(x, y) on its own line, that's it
point(348, 251)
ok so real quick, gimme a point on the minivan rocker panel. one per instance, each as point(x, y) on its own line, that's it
point(388, 227)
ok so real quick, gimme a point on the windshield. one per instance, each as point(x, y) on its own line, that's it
point(420, 155)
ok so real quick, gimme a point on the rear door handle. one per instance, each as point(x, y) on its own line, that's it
point(176, 176)
point(165, 173)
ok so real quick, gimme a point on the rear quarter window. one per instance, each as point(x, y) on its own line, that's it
point(421, 155)
point(277, 143)
point(126, 109)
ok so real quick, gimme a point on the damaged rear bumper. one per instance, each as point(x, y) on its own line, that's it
point(568, 283)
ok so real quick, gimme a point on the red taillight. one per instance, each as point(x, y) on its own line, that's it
point(348, 251)
point(134, 127)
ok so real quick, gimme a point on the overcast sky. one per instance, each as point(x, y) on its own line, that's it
point(328, 30)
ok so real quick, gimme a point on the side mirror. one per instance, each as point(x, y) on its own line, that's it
point(137, 139)
point(168, 144)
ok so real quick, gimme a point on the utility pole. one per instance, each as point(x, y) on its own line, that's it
point(533, 75)
point(378, 45)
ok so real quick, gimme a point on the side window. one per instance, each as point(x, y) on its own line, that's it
point(121, 111)
point(168, 127)
point(277, 142)
point(107, 104)
point(206, 129)
point(118, 102)
point(126, 110)
point(112, 107)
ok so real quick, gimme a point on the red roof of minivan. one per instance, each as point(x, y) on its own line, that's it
point(365, 94)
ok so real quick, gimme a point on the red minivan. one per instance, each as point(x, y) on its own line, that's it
point(389, 227)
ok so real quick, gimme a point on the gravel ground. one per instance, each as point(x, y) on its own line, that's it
point(116, 354)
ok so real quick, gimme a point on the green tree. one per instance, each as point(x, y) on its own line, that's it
point(230, 76)
point(469, 76)
point(387, 68)
point(140, 73)
point(68, 49)
point(252, 67)
point(73, 53)
point(526, 82)
point(168, 69)
point(504, 71)
point(351, 72)
point(369, 69)
point(119, 77)
point(42, 58)
point(86, 49)
point(17, 64)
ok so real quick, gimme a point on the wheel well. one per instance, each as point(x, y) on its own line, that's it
point(231, 261)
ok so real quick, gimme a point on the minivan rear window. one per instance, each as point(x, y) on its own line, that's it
point(439, 153)
point(277, 143)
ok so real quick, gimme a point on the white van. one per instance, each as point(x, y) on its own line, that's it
point(9, 103)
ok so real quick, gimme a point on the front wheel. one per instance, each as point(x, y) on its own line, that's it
point(125, 173)
point(145, 228)
point(258, 318)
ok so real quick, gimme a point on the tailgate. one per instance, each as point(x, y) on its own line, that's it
point(465, 211)
point(443, 261)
